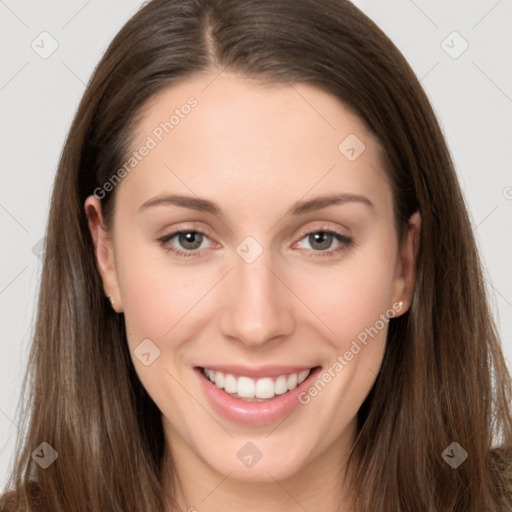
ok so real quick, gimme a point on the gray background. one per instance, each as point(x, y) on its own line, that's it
point(471, 93)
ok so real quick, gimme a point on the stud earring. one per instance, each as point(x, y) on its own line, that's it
point(111, 301)
point(401, 305)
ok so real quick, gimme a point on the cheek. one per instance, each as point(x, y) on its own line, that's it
point(157, 295)
point(354, 303)
point(158, 304)
point(352, 294)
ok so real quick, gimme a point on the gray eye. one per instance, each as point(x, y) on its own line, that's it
point(322, 239)
point(190, 240)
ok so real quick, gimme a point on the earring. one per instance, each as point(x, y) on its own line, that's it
point(401, 304)
point(111, 301)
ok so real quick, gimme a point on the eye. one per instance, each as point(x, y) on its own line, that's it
point(321, 240)
point(190, 239)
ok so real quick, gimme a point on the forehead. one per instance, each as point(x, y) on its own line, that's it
point(214, 133)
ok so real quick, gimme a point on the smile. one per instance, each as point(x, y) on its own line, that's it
point(255, 397)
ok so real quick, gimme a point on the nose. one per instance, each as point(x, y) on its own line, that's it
point(257, 306)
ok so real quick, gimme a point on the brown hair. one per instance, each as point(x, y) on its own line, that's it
point(443, 377)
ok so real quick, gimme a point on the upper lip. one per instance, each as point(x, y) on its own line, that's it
point(256, 372)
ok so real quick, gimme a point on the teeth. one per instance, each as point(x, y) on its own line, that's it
point(292, 381)
point(280, 386)
point(263, 388)
point(245, 387)
point(230, 384)
point(219, 379)
point(302, 376)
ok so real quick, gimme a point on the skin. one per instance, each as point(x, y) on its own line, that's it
point(255, 150)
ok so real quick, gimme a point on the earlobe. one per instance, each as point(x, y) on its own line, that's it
point(104, 251)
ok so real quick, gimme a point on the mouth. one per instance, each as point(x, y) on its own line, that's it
point(252, 396)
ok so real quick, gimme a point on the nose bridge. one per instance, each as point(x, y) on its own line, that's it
point(256, 308)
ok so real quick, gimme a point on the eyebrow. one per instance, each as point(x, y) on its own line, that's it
point(300, 207)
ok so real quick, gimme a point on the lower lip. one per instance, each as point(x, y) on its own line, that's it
point(253, 413)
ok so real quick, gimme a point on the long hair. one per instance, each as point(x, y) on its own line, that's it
point(443, 378)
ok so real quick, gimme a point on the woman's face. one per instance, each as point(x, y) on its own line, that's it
point(272, 281)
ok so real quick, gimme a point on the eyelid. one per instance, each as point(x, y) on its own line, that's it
point(323, 227)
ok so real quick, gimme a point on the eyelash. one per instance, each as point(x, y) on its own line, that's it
point(345, 242)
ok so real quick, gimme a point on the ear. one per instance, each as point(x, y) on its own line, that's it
point(405, 272)
point(104, 251)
